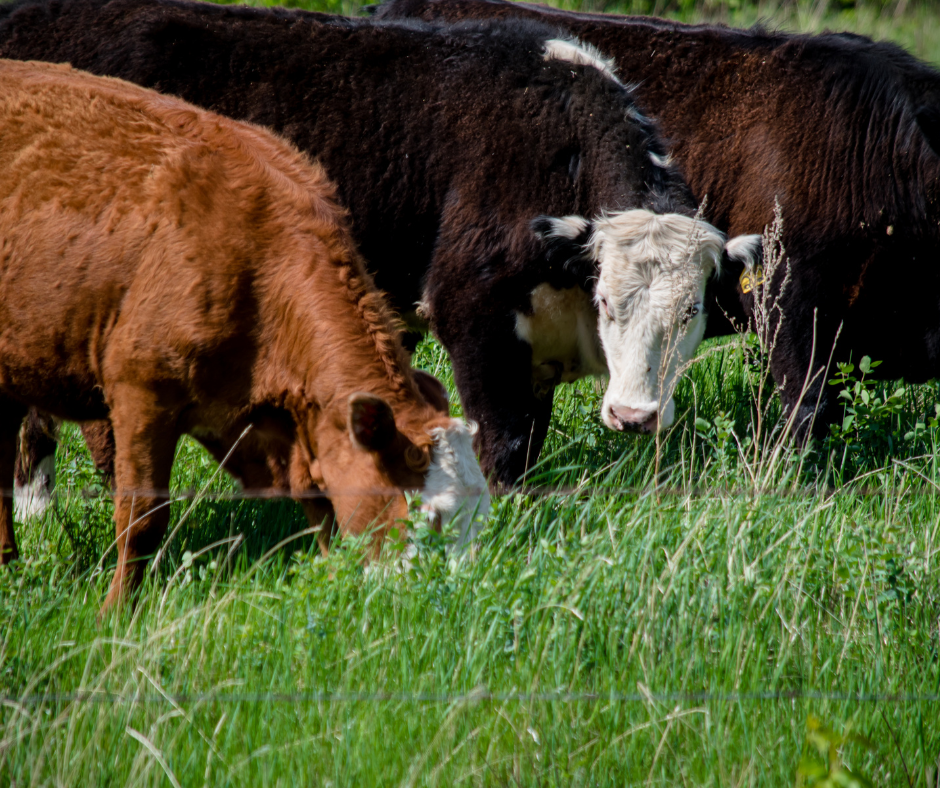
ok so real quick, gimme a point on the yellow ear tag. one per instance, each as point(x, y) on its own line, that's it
point(751, 279)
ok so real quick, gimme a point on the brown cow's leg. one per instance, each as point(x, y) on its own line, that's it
point(145, 436)
point(320, 515)
point(99, 437)
point(11, 417)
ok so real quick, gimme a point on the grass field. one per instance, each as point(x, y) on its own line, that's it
point(710, 609)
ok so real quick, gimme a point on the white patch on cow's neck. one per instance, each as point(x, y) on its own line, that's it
point(633, 113)
point(581, 54)
point(454, 486)
point(562, 332)
point(33, 498)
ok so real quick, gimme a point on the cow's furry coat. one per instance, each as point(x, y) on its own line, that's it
point(185, 273)
point(843, 131)
point(444, 147)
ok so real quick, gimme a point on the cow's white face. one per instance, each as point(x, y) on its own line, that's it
point(651, 275)
point(649, 297)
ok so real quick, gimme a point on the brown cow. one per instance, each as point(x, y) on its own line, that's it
point(184, 273)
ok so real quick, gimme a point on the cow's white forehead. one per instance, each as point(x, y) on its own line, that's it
point(669, 241)
point(454, 487)
point(669, 255)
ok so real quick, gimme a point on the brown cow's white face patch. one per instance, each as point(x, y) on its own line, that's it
point(454, 486)
point(561, 329)
point(33, 498)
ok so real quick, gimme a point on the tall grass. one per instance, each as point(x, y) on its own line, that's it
point(680, 634)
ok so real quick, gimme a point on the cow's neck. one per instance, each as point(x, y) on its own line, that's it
point(335, 336)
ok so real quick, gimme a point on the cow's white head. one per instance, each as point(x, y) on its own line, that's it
point(651, 271)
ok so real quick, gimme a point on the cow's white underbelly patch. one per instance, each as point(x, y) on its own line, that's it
point(562, 332)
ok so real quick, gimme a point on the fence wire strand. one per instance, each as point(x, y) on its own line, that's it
point(481, 696)
point(533, 492)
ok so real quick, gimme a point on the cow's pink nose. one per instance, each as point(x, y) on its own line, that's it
point(634, 418)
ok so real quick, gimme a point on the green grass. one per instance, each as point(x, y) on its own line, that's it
point(683, 616)
point(917, 27)
point(685, 637)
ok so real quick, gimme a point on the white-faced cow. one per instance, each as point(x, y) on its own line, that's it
point(844, 132)
point(649, 305)
point(445, 145)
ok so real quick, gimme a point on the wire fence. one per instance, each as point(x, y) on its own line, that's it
point(547, 491)
point(475, 696)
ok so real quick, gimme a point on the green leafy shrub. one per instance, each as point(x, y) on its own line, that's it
point(821, 765)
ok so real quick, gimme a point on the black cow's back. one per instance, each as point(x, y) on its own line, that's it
point(841, 130)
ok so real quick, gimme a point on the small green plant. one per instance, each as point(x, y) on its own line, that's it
point(875, 418)
point(821, 765)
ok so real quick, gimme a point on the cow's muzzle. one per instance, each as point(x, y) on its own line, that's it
point(626, 419)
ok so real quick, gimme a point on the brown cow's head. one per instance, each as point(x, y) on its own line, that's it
point(34, 471)
point(365, 457)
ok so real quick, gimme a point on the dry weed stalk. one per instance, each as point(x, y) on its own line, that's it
point(761, 455)
point(688, 276)
point(770, 441)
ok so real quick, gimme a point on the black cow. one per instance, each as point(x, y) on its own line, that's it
point(445, 147)
point(843, 131)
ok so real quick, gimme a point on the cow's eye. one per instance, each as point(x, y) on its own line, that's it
point(691, 312)
point(605, 309)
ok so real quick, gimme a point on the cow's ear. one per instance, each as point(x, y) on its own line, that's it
point(371, 422)
point(432, 390)
point(742, 251)
point(565, 239)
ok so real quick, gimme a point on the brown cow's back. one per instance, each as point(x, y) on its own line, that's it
point(181, 272)
point(131, 207)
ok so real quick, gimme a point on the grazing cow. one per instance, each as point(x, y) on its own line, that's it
point(449, 148)
point(843, 131)
point(181, 272)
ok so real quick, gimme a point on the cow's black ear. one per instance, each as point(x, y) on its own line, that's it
point(564, 239)
point(928, 119)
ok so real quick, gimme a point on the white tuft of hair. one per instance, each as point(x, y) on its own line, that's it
point(581, 54)
point(33, 498)
point(669, 241)
point(567, 226)
point(454, 487)
point(660, 161)
point(745, 248)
